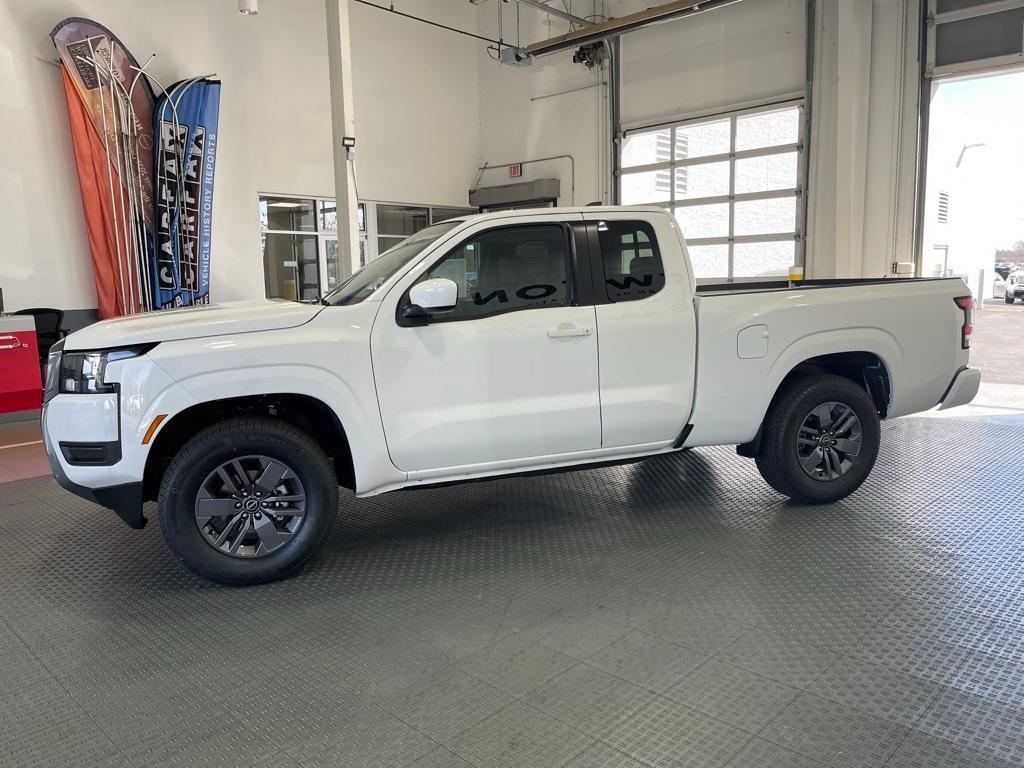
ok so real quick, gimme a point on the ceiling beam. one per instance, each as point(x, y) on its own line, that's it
point(615, 27)
point(545, 8)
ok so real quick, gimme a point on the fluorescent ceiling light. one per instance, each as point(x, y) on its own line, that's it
point(284, 205)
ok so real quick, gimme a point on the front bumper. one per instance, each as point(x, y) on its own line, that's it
point(123, 498)
point(962, 389)
point(126, 500)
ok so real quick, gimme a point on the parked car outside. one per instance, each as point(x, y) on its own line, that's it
point(1014, 288)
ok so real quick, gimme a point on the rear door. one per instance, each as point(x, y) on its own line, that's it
point(643, 293)
point(510, 375)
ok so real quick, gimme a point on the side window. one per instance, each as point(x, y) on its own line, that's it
point(632, 262)
point(506, 269)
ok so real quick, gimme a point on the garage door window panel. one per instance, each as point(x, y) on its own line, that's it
point(648, 187)
point(704, 221)
point(647, 148)
point(735, 180)
point(702, 180)
point(764, 258)
point(702, 139)
point(774, 216)
point(766, 173)
point(506, 270)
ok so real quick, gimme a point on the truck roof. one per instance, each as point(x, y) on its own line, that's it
point(564, 210)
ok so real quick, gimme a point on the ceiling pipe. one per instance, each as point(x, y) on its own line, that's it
point(544, 7)
point(615, 27)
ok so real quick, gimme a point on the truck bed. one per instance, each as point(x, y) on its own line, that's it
point(746, 345)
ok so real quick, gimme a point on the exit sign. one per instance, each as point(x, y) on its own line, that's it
point(515, 170)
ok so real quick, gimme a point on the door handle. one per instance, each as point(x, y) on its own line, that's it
point(565, 333)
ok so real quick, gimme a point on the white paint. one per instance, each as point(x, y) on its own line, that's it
point(913, 327)
point(496, 395)
point(415, 98)
point(647, 398)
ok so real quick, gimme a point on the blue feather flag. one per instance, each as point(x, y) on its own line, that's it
point(186, 119)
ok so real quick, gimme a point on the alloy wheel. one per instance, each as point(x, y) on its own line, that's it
point(828, 441)
point(250, 506)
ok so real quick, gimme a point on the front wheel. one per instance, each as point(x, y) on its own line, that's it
point(248, 500)
point(820, 439)
point(1008, 298)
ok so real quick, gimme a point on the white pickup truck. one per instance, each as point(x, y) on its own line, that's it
point(505, 343)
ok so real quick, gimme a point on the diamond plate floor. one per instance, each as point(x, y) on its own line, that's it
point(674, 612)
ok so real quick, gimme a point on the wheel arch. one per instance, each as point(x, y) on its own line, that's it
point(867, 361)
point(308, 413)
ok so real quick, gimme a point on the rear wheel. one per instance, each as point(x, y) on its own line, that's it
point(1008, 298)
point(248, 500)
point(820, 439)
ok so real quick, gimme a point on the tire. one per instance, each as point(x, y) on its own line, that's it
point(1008, 298)
point(260, 447)
point(779, 459)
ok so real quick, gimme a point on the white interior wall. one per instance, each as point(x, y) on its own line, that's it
point(521, 119)
point(415, 105)
point(864, 138)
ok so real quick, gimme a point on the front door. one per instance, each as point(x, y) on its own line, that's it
point(509, 375)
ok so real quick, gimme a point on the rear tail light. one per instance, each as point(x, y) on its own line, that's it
point(966, 303)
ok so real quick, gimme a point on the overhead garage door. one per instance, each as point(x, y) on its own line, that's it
point(974, 35)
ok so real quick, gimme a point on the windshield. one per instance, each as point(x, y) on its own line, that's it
point(376, 273)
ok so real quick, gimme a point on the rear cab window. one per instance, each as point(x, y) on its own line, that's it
point(631, 260)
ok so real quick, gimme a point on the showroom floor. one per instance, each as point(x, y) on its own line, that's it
point(674, 612)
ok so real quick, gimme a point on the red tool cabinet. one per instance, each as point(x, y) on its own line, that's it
point(20, 385)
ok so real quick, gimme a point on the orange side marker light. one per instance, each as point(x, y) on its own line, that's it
point(154, 425)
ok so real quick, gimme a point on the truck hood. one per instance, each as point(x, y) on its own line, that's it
point(193, 323)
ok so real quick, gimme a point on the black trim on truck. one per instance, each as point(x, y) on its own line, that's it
point(91, 454)
point(769, 286)
point(125, 500)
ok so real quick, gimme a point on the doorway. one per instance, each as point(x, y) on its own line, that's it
point(973, 213)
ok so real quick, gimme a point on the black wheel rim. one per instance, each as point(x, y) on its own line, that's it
point(250, 507)
point(828, 441)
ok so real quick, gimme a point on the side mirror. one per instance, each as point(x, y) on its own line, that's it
point(439, 294)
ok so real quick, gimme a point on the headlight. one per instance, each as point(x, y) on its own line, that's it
point(82, 373)
point(52, 370)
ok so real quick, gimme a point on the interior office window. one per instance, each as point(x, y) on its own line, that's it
point(301, 260)
point(506, 269)
point(735, 187)
point(632, 262)
point(443, 213)
point(397, 222)
point(291, 266)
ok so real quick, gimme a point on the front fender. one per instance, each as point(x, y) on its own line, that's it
point(328, 360)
